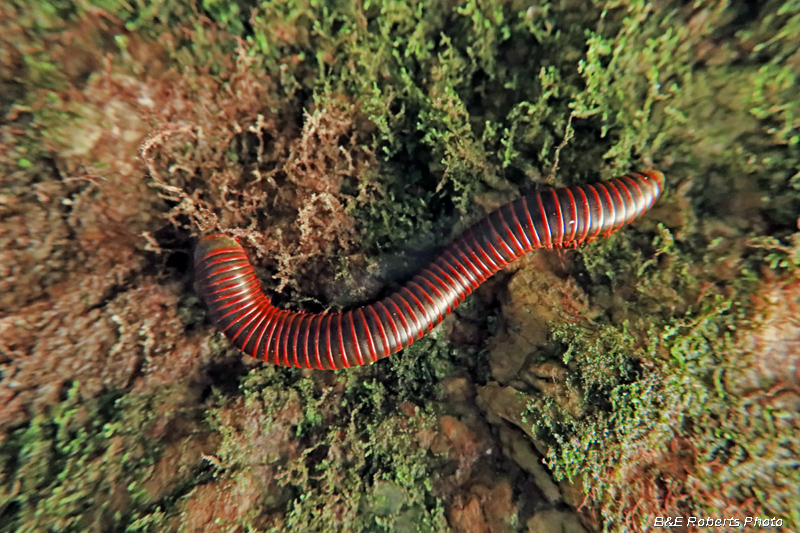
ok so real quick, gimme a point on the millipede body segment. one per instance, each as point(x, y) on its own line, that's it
point(550, 219)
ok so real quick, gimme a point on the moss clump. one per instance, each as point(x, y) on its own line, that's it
point(662, 368)
point(79, 467)
point(314, 446)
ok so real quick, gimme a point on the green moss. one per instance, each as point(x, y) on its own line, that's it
point(68, 461)
point(149, 523)
point(657, 367)
point(356, 444)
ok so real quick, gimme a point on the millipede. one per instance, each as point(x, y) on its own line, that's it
point(554, 218)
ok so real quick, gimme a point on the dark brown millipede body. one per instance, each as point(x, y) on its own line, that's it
point(549, 219)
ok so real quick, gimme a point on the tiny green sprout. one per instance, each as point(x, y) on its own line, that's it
point(122, 42)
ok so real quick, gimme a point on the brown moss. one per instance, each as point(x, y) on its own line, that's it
point(34, 253)
point(84, 319)
point(65, 338)
point(774, 343)
point(219, 507)
point(536, 296)
point(653, 479)
point(465, 444)
point(259, 445)
point(484, 509)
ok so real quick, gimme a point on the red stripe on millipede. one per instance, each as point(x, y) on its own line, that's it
point(631, 203)
point(275, 332)
point(330, 345)
point(222, 251)
point(474, 260)
point(520, 249)
point(480, 250)
point(637, 194)
point(587, 209)
point(234, 284)
point(231, 268)
point(499, 239)
point(618, 196)
point(287, 329)
point(307, 329)
point(317, 357)
point(411, 312)
point(240, 288)
point(438, 294)
point(501, 260)
point(272, 324)
point(384, 337)
point(395, 331)
point(530, 223)
point(449, 286)
point(246, 287)
point(600, 211)
point(235, 257)
point(286, 351)
point(525, 247)
point(356, 343)
point(573, 215)
point(613, 209)
point(343, 355)
point(450, 283)
point(548, 243)
point(467, 266)
point(419, 303)
point(560, 217)
point(406, 329)
point(521, 246)
point(235, 310)
point(368, 332)
point(258, 310)
point(260, 328)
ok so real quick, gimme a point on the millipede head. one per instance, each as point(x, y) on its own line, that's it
point(657, 176)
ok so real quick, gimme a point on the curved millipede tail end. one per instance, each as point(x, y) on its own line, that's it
point(213, 244)
point(219, 261)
